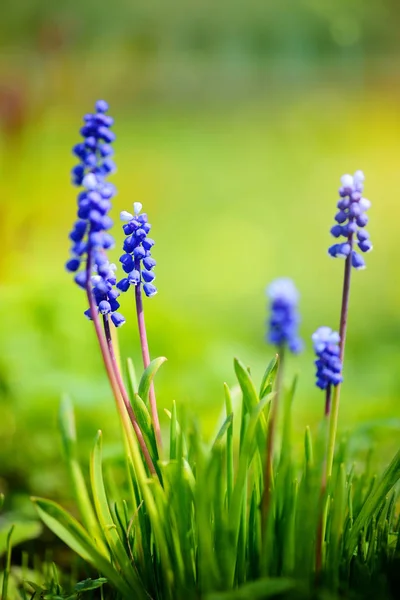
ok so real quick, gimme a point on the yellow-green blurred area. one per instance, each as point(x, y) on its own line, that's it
point(234, 123)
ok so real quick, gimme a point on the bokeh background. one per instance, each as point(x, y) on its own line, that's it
point(234, 123)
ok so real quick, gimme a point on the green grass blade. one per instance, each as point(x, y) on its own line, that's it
point(172, 432)
point(147, 378)
point(7, 569)
point(116, 546)
point(267, 382)
point(372, 503)
point(71, 532)
point(229, 446)
point(146, 426)
point(132, 379)
point(68, 435)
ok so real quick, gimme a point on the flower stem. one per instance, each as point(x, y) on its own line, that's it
point(342, 331)
point(122, 408)
point(322, 514)
point(271, 429)
point(123, 392)
point(146, 359)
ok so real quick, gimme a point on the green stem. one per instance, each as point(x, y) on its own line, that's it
point(342, 331)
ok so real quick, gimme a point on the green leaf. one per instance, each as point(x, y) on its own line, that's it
point(90, 584)
point(172, 433)
point(71, 532)
point(229, 446)
point(7, 569)
point(372, 503)
point(68, 434)
point(132, 379)
point(224, 428)
point(251, 400)
point(147, 378)
point(267, 382)
point(146, 426)
point(108, 526)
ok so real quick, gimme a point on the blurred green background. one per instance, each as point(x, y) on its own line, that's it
point(234, 122)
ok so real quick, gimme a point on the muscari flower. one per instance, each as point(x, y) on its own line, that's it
point(284, 320)
point(328, 363)
point(351, 220)
point(89, 236)
point(137, 261)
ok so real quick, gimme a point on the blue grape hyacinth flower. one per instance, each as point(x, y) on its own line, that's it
point(89, 236)
point(284, 318)
point(136, 260)
point(328, 363)
point(351, 220)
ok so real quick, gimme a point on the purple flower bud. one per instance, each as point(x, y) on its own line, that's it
point(104, 133)
point(362, 220)
point(340, 217)
point(336, 231)
point(134, 277)
point(72, 264)
point(148, 243)
point(101, 106)
point(357, 261)
point(117, 319)
point(365, 246)
point(139, 253)
point(149, 289)
point(149, 263)
point(106, 150)
point(354, 210)
point(343, 203)
point(148, 276)
point(104, 307)
point(362, 235)
point(123, 285)
point(88, 314)
point(80, 279)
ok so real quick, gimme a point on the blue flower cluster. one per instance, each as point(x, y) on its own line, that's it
point(328, 363)
point(351, 220)
point(284, 319)
point(137, 261)
point(89, 236)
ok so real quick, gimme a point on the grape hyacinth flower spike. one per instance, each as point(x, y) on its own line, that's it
point(284, 318)
point(138, 265)
point(283, 326)
point(90, 242)
point(328, 363)
point(351, 220)
point(89, 236)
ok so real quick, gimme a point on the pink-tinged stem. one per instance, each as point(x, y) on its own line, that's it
point(124, 393)
point(146, 359)
point(122, 408)
point(271, 430)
